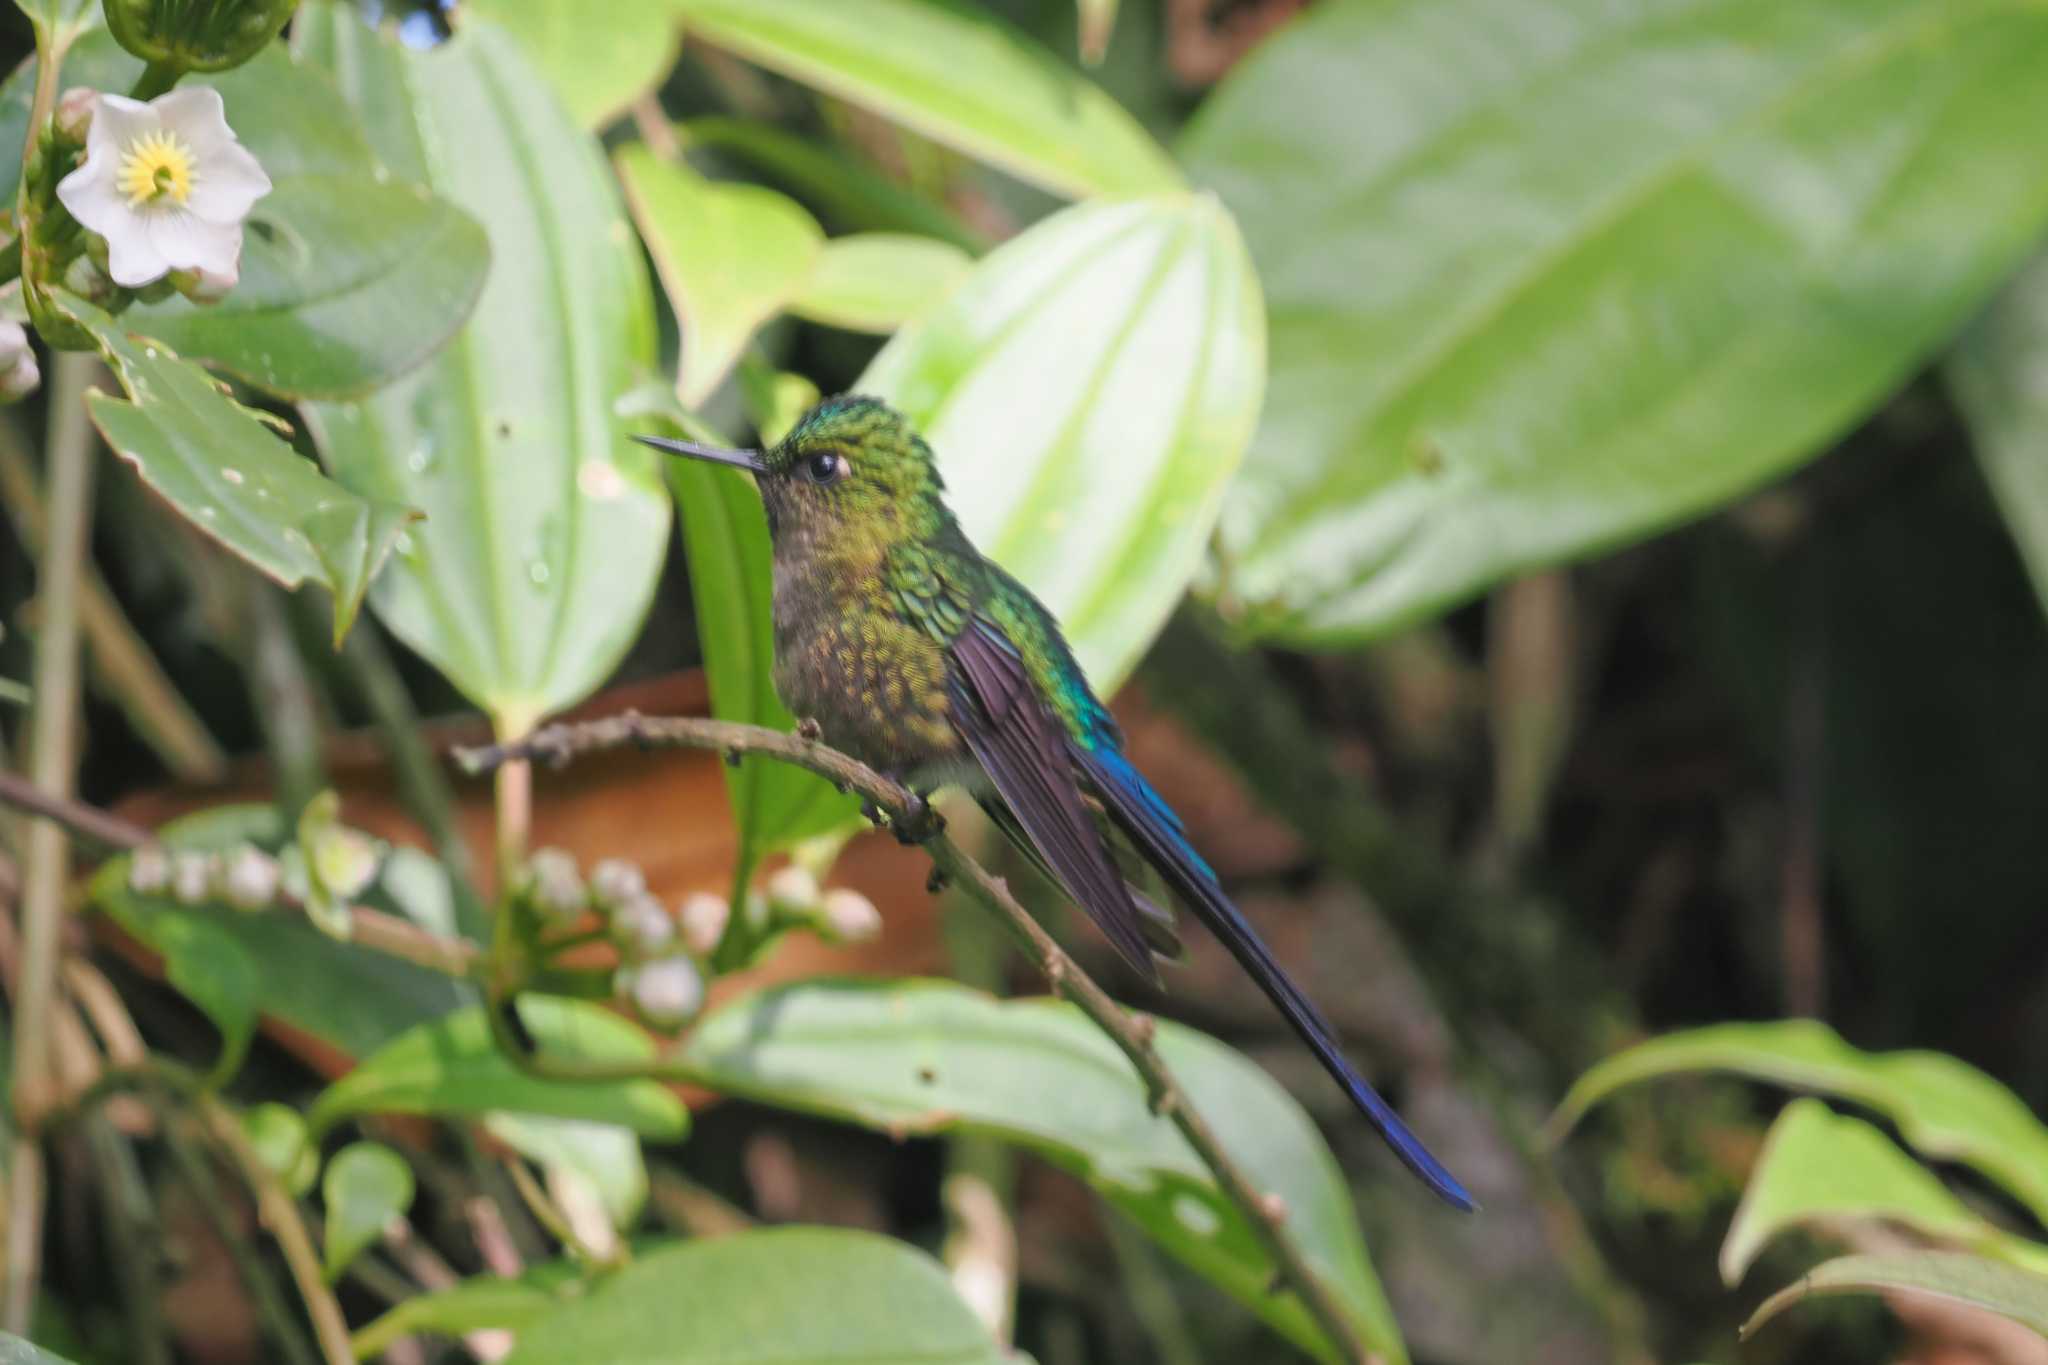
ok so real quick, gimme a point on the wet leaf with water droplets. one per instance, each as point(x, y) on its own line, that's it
point(278, 511)
point(522, 586)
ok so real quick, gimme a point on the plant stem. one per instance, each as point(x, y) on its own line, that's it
point(1263, 1212)
point(53, 763)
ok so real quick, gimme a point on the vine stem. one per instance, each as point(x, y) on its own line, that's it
point(53, 763)
point(1132, 1034)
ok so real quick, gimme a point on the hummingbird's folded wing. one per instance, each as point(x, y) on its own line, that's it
point(1023, 748)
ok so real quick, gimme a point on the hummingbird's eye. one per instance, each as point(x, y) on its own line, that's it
point(825, 467)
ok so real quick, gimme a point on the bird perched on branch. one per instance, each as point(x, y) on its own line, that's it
point(926, 661)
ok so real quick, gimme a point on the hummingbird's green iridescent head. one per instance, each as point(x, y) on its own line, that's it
point(851, 467)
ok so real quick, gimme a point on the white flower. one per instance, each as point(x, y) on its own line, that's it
point(166, 184)
point(666, 993)
point(849, 916)
point(704, 917)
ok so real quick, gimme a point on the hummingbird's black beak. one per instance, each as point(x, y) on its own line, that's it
point(738, 459)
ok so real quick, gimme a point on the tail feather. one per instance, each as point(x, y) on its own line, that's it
point(1151, 824)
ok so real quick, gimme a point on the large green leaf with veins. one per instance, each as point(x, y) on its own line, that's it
point(546, 527)
point(1547, 276)
point(929, 1057)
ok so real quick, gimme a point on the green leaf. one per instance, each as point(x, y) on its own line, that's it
point(227, 474)
point(452, 1065)
point(605, 1154)
point(1999, 376)
point(598, 65)
point(210, 967)
point(729, 256)
point(780, 1296)
point(725, 537)
point(1547, 279)
point(278, 1133)
point(365, 1186)
point(928, 1056)
point(1942, 1107)
point(345, 286)
point(480, 1302)
point(347, 997)
point(877, 281)
point(1821, 1168)
point(16, 1350)
point(57, 19)
point(1090, 391)
point(1955, 1276)
point(546, 528)
point(849, 194)
point(955, 74)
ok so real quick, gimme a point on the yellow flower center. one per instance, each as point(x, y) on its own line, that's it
point(154, 166)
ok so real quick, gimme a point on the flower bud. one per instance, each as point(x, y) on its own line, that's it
point(197, 35)
point(248, 878)
point(666, 993)
point(73, 117)
point(345, 861)
point(641, 926)
point(849, 917)
point(204, 286)
point(19, 373)
point(149, 870)
point(704, 917)
point(191, 878)
point(793, 892)
point(615, 881)
point(554, 887)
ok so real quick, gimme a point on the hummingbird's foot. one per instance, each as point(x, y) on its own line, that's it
point(919, 824)
point(872, 813)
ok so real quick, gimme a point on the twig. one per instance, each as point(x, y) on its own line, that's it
point(386, 933)
point(558, 744)
point(279, 1213)
point(53, 763)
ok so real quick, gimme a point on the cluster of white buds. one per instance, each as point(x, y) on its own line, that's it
point(841, 915)
point(244, 876)
point(554, 885)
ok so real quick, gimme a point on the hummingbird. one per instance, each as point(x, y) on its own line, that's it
point(925, 660)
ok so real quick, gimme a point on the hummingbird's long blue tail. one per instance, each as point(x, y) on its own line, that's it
point(1152, 825)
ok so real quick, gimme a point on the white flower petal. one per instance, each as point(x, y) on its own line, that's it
point(195, 113)
point(226, 184)
point(91, 195)
point(133, 258)
point(191, 243)
point(117, 123)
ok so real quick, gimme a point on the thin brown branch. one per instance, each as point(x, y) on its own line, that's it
point(386, 933)
point(557, 744)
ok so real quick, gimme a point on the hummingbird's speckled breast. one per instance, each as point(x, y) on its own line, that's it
point(872, 679)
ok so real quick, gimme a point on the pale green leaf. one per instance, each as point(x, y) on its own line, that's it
point(956, 74)
point(1821, 1169)
point(598, 62)
point(1548, 278)
point(729, 256)
point(231, 476)
point(1955, 1276)
point(877, 281)
point(546, 527)
point(474, 1304)
point(605, 1154)
point(278, 1134)
point(780, 1296)
point(848, 194)
point(1089, 391)
point(1999, 375)
point(16, 1350)
point(452, 1065)
point(365, 1186)
point(928, 1056)
point(1943, 1107)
